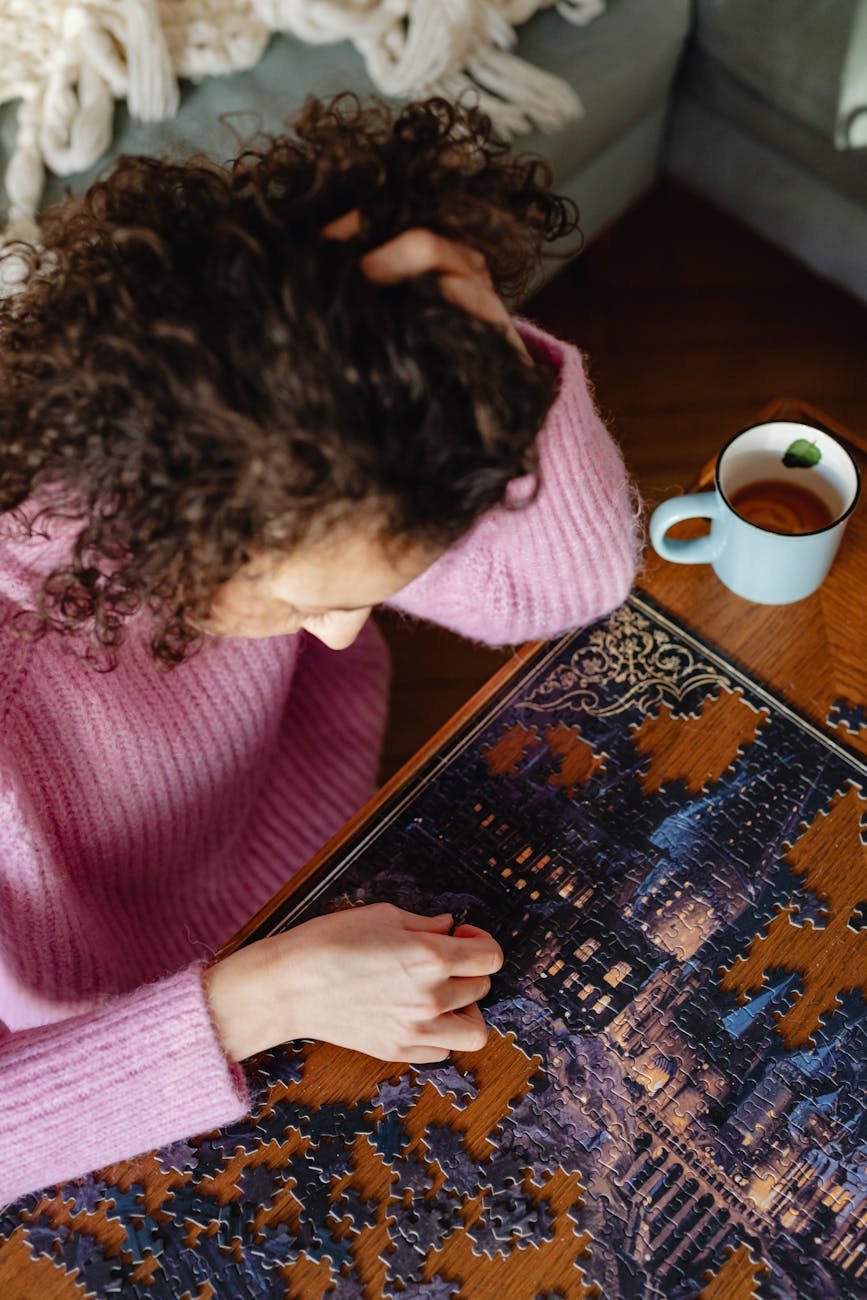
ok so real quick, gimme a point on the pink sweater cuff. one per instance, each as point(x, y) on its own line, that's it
point(142, 1071)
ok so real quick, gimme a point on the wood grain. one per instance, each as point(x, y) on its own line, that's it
point(738, 1279)
point(830, 959)
point(695, 750)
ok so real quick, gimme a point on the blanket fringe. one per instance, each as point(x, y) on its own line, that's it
point(67, 61)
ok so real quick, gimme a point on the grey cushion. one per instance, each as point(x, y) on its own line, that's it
point(622, 67)
point(768, 189)
point(709, 83)
point(792, 54)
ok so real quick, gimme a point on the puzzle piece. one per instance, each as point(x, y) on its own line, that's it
point(259, 1184)
point(415, 1176)
point(390, 1138)
point(446, 1147)
point(217, 1148)
point(404, 1260)
point(448, 1081)
point(852, 717)
point(398, 1098)
point(438, 1288)
point(331, 1158)
point(178, 1156)
point(144, 1237)
point(85, 1194)
point(511, 1214)
point(360, 1210)
point(283, 1065)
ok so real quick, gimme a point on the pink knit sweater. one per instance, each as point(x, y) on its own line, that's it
point(144, 816)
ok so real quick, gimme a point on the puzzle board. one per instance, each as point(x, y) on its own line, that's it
point(671, 1100)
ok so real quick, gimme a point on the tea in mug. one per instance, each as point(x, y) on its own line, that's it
point(781, 507)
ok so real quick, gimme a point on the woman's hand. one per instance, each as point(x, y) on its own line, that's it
point(377, 979)
point(463, 272)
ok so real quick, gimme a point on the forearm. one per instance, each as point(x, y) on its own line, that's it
point(143, 1070)
point(556, 561)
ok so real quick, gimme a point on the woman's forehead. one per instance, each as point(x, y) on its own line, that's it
point(353, 571)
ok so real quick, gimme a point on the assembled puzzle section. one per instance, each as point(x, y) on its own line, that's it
point(670, 1103)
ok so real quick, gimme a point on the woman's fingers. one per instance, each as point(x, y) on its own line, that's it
point(438, 924)
point(456, 1031)
point(462, 992)
point(463, 273)
point(412, 252)
point(424, 1055)
point(466, 931)
point(467, 1025)
point(416, 251)
point(464, 278)
point(345, 227)
point(471, 294)
point(472, 954)
point(483, 303)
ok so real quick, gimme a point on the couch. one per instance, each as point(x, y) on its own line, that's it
point(769, 121)
point(755, 103)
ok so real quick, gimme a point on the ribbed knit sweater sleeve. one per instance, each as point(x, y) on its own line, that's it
point(559, 562)
point(144, 1070)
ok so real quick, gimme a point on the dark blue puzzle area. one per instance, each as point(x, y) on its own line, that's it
point(674, 863)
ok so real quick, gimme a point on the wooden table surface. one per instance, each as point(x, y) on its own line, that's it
point(811, 654)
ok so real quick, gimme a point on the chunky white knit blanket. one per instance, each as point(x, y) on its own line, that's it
point(68, 60)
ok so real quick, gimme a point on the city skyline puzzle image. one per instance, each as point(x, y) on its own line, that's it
point(673, 861)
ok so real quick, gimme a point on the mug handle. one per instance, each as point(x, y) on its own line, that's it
point(697, 550)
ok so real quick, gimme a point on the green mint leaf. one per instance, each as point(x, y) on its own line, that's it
point(802, 454)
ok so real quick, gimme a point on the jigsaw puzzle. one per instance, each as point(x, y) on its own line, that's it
point(671, 1101)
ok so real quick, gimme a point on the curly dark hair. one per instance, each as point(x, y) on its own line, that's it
point(195, 373)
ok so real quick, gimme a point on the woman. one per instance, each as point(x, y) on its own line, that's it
point(240, 407)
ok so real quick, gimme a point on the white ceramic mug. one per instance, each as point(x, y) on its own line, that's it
point(770, 568)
